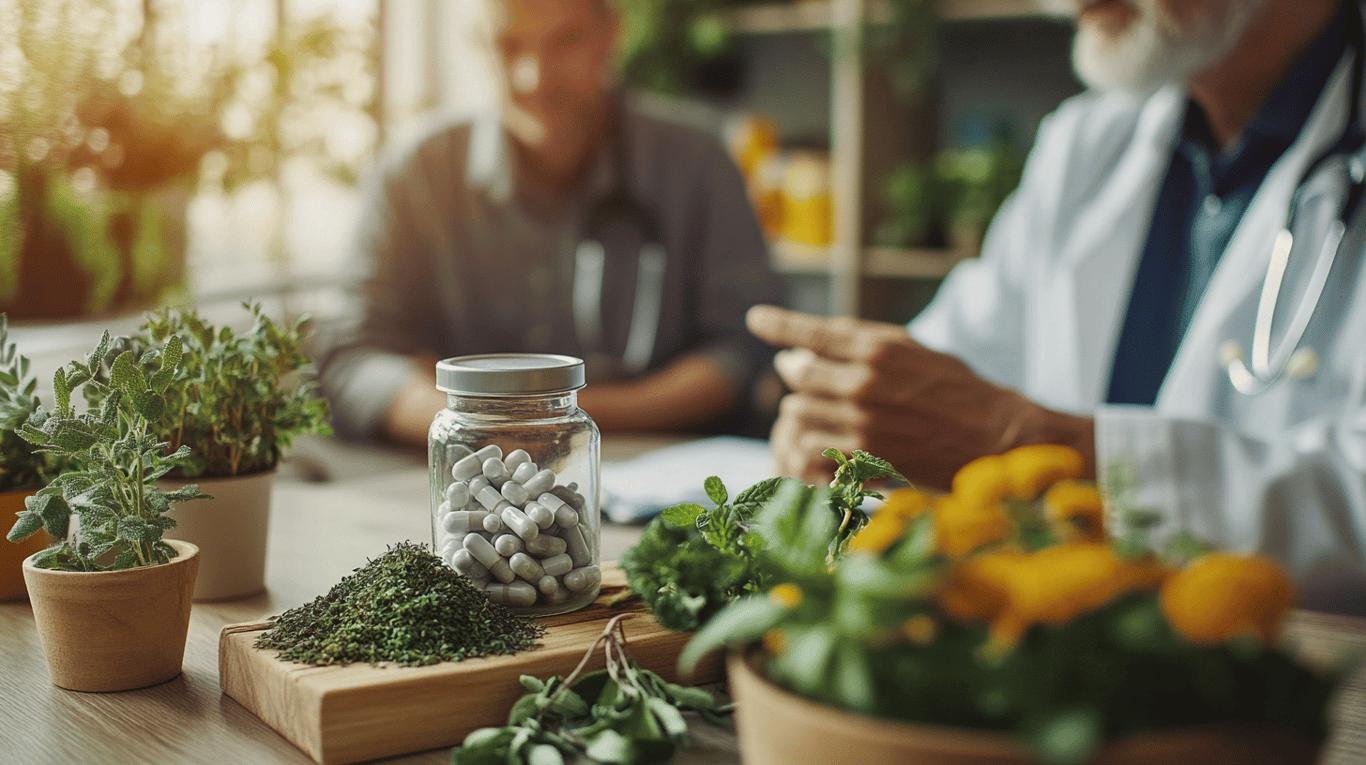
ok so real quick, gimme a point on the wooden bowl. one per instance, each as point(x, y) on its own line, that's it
point(114, 630)
point(780, 728)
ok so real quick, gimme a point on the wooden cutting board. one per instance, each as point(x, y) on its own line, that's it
point(359, 712)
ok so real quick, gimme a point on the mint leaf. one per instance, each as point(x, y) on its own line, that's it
point(716, 491)
point(682, 516)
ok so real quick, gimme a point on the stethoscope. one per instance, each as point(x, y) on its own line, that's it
point(1267, 366)
point(618, 208)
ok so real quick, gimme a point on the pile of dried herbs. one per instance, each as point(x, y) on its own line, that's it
point(405, 607)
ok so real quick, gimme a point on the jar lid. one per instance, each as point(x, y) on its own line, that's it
point(509, 374)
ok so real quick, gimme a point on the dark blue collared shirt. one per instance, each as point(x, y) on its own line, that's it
point(1204, 196)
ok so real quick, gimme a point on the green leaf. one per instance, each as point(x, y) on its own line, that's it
point(544, 754)
point(523, 709)
point(531, 684)
point(26, 526)
point(853, 678)
point(740, 623)
point(670, 719)
point(682, 516)
point(171, 353)
point(125, 375)
point(716, 490)
point(611, 747)
point(834, 454)
point(760, 492)
point(61, 390)
point(871, 467)
point(1065, 738)
point(569, 704)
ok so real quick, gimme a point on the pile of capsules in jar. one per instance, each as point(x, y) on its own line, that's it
point(509, 528)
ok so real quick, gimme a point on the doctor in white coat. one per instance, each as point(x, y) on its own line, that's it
point(1024, 344)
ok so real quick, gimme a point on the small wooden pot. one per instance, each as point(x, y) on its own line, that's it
point(11, 554)
point(114, 630)
point(777, 727)
point(230, 531)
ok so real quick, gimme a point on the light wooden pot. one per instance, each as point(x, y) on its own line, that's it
point(114, 630)
point(11, 554)
point(780, 728)
point(230, 530)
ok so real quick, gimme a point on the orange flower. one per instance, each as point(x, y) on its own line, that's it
point(1219, 596)
point(787, 595)
point(976, 589)
point(1076, 509)
point(961, 527)
point(889, 523)
point(1031, 469)
point(906, 503)
point(983, 481)
point(919, 629)
point(774, 641)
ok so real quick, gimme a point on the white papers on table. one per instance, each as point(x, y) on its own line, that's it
point(637, 489)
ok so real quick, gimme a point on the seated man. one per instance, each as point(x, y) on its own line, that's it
point(573, 223)
point(1114, 304)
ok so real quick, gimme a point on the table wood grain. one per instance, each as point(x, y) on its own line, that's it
point(320, 531)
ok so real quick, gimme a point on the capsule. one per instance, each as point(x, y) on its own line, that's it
point(523, 472)
point(518, 594)
point(478, 484)
point(489, 497)
point(458, 493)
point(542, 481)
point(485, 554)
point(557, 565)
point(545, 545)
point(515, 459)
point(550, 501)
point(465, 563)
point(526, 567)
point(492, 523)
point(523, 526)
point(450, 543)
point(566, 517)
point(514, 493)
point(455, 452)
point(495, 471)
point(507, 545)
point(576, 544)
point(540, 514)
point(467, 467)
point(463, 521)
point(581, 579)
point(548, 585)
point(490, 452)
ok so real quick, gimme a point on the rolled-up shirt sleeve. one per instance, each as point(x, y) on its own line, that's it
point(735, 273)
point(367, 354)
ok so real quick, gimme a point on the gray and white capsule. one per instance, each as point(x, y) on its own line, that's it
point(485, 554)
point(465, 563)
point(550, 501)
point(576, 544)
point(526, 567)
point(521, 525)
point(478, 484)
point(566, 517)
point(516, 458)
point(515, 493)
point(492, 523)
point(523, 472)
point(545, 545)
point(466, 467)
point(584, 578)
point(489, 497)
point(518, 594)
point(557, 565)
point(507, 545)
point(542, 481)
point(490, 452)
point(539, 514)
point(463, 521)
point(495, 471)
point(458, 493)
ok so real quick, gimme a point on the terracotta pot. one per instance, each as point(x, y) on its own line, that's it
point(114, 630)
point(780, 728)
point(230, 530)
point(12, 555)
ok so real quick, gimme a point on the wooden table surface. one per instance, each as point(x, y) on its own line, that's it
point(320, 530)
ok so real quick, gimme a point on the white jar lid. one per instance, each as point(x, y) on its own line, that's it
point(509, 374)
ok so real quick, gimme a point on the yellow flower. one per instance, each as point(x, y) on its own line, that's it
point(920, 629)
point(906, 503)
point(975, 589)
point(1031, 469)
point(961, 527)
point(1076, 509)
point(1222, 595)
point(983, 481)
point(787, 595)
point(888, 524)
point(774, 641)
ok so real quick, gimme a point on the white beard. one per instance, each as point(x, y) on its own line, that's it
point(1153, 51)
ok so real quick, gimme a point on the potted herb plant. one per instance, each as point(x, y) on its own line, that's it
point(23, 469)
point(112, 599)
point(237, 400)
point(1003, 624)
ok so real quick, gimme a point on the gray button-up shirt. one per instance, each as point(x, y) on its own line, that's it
point(457, 258)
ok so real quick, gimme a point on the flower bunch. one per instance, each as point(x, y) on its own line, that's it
point(1016, 601)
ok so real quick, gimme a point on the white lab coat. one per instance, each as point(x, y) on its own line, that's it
point(1041, 311)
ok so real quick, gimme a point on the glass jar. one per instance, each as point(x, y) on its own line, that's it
point(514, 480)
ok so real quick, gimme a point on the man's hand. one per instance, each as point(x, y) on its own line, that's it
point(867, 385)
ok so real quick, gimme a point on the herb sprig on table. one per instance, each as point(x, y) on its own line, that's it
point(635, 716)
point(691, 561)
point(405, 607)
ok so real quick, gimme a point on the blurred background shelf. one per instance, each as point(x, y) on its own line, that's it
point(816, 15)
point(878, 262)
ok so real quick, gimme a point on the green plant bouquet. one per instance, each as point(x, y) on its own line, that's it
point(22, 466)
point(692, 561)
point(1006, 605)
point(237, 399)
point(113, 459)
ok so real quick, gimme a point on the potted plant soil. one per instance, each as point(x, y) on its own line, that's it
point(23, 469)
point(237, 401)
point(111, 599)
point(1007, 622)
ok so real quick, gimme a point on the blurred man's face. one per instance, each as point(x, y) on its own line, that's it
point(1139, 45)
point(556, 57)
